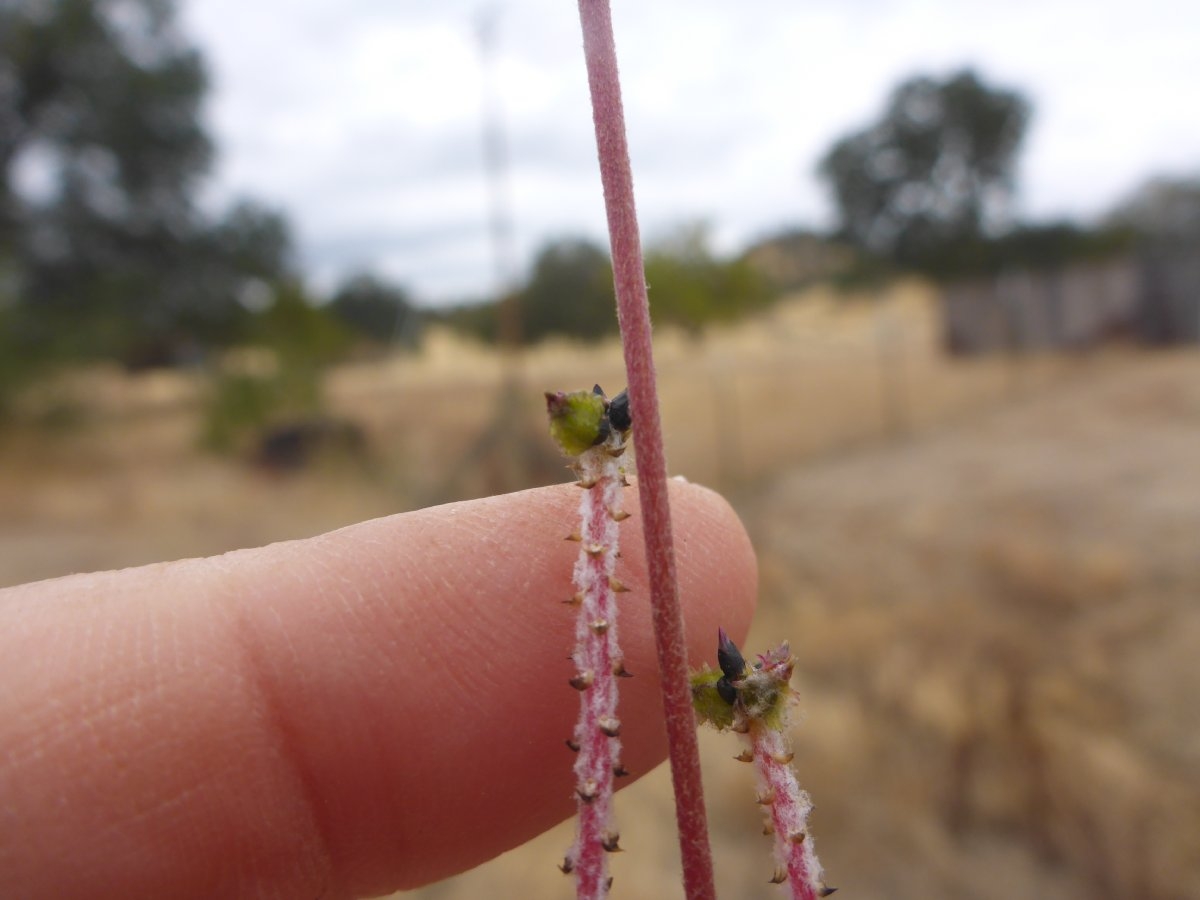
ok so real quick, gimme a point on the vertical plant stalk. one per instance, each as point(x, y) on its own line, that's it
point(589, 427)
point(633, 313)
point(755, 701)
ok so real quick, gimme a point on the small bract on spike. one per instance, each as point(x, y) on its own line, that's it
point(610, 843)
point(619, 669)
point(610, 726)
point(566, 866)
point(826, 891)
point(619, 515)
point(573, 744)
point(745, 756)
point(779, 877)
point(599, 626)
point(619, 770)
point(595, 549)
point(618, 586)
point(574, 536)
point(582, 681)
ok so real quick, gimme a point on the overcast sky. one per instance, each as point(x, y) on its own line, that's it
point(362, 120)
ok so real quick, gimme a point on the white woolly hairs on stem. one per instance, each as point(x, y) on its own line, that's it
point(598, 664)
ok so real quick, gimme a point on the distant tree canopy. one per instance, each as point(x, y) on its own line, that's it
point(101, 152)
point(1041, 246)
point(1165, 210)
point(569, 293)
point(570, 290)
point(690, 287)
point(106, 94)
point(937, 169)
point(376, 310)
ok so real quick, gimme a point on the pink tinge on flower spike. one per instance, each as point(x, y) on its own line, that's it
point(755, 701)
point(789, 807)
point(593, 429)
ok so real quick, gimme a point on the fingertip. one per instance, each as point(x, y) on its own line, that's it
point(470, 708)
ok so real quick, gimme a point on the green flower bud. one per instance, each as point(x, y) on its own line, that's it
point(577, 420)
point(738, 693)
point(710, 706)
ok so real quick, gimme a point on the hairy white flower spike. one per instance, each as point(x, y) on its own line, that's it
point(754, 701)
point(595, 430)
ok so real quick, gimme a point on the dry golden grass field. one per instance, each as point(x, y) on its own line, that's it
point(989, 571)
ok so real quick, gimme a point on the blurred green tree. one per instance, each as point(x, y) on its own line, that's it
point(291, 341)
point(690, 287)
point(1166, 210)
point(101, 152)
point(937, 169)
point(382, 312)
point(300, 333)
point(569, 293)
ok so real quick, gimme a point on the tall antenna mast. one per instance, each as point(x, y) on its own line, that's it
point(495, 154)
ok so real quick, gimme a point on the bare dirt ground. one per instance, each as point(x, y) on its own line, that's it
point(988, 570)
point(998, 626)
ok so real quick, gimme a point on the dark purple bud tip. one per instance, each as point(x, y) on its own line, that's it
point(726, 691)
point(729, 657)
point(618, 412)
point(597, 390)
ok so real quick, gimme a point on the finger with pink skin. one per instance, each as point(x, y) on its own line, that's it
point(368, 710)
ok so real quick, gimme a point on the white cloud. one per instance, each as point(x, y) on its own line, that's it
point(363, 119)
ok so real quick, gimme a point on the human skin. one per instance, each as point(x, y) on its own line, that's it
point(368, 710)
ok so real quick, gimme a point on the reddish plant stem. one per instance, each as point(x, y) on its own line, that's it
point(633, 313)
